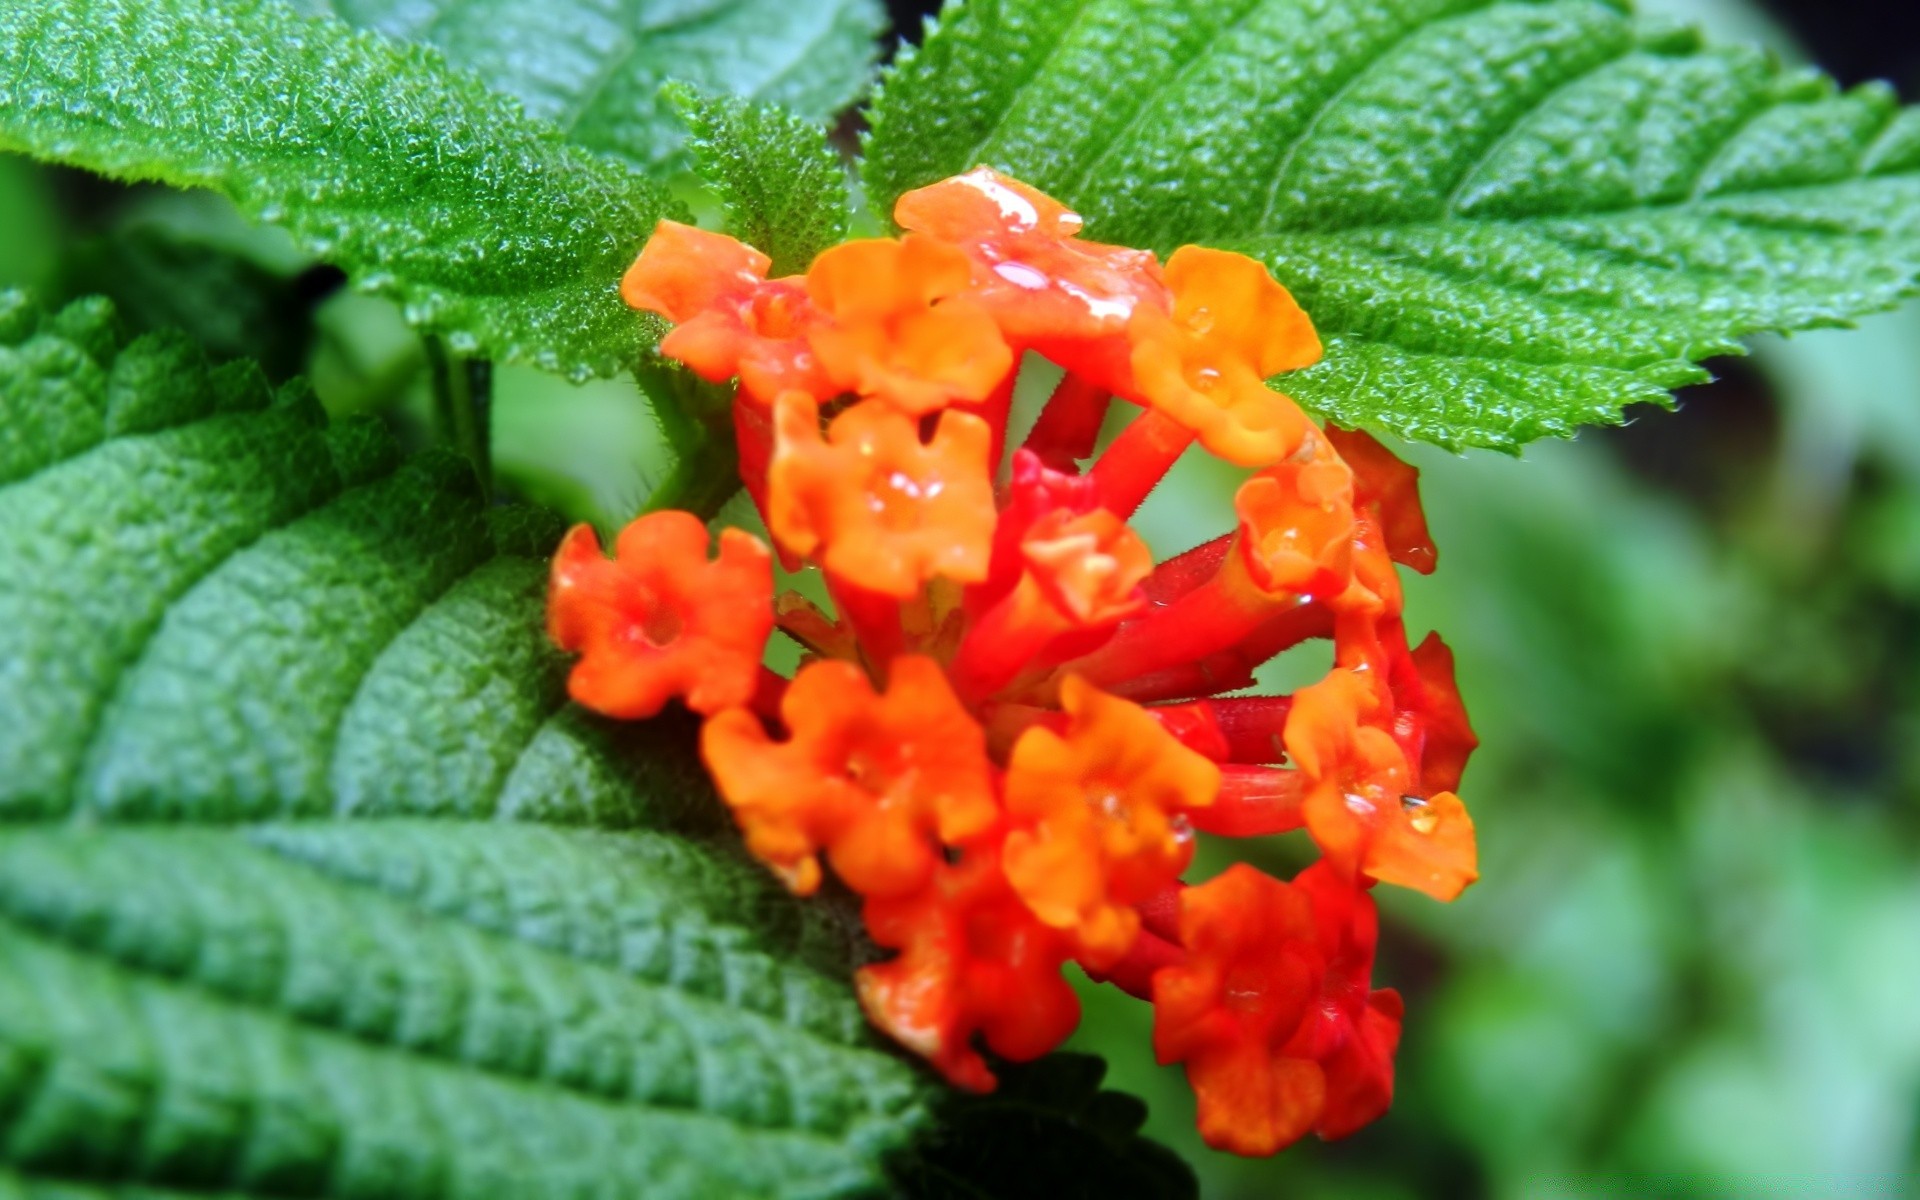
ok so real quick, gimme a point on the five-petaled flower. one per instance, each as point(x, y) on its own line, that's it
point(1012, 727)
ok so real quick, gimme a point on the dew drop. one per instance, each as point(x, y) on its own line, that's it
point(1419, 814)
point(1022, 276)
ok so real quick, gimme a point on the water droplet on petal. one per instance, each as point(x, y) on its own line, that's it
point(1419, 814)
point(1021, 275)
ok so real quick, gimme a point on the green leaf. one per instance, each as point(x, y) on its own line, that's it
point(1507, 218)
point(594, 67)
point(187, 260)
point(311, 880)
point(783, 188)
point(412, 176)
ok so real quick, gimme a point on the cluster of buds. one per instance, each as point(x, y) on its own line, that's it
point(1009, 731)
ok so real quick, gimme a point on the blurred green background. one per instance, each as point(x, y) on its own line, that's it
point(1691, 648)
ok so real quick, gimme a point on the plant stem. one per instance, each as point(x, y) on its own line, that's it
point(463, 405)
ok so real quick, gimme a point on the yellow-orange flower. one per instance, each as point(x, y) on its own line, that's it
point(1006, 804)
point(1096, 812)
point(659, 620)
point(876, 505)
point(1225, 404)
point(1088, 565)
point(879, 782)
point(1363, 807)
point(1233, 308)
point(900, 328)
point(1205, 364)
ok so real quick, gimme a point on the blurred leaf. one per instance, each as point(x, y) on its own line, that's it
point(783, 188)
point(30, 251)
point(311, 881)
point(594, 67)
point(189, 261)
point(1508, 218)
point(591, 451)
point(416, 179)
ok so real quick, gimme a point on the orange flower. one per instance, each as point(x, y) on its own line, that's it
point(1206, 364)
point(659, 620)
point(878, 507)
point(1069, 299)
point(900, 327)
point(1271, 1010)
point(973, 959)
point(1088, 565)
point(1232, 307)
point(1392, 488)
point(729, 318)
point(683, 272)
point(1222, 400)
point(1096, 813)
point(1297, 527)
point(1363, 807)
point(878, 782)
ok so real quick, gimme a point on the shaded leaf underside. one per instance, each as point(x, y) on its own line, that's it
point(1508, 217)
point(594, 67)
point(311, 881)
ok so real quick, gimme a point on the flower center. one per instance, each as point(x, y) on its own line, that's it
point(662, 624)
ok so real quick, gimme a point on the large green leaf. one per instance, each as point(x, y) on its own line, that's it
point(413, 176)
point(1508, 217)
point(594, 67)
point(311, 881)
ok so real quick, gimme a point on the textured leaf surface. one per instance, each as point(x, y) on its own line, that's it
point(594, 67)
point(783, 188)
point(311, 881)
point(413, 176)
point(1508, 217)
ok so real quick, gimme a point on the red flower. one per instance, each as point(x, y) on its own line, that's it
point(973, 959)
point(1271, 1010)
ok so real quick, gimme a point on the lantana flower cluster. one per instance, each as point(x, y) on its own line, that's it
point(1008, 732)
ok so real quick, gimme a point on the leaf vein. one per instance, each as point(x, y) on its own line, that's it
point(1449, 208)
point(1119, 131)
point(1345, 88)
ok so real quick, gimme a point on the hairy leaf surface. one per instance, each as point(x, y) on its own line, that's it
point(1508, 217)
point(413, 176)
point(594, 67)
point(783, 189)
point(311, 880)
